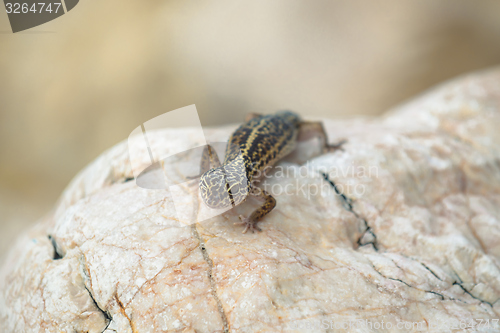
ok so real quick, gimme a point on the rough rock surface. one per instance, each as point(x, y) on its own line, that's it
point(400, 228)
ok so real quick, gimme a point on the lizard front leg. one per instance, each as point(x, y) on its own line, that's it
point(311, 129)
point(269, 204)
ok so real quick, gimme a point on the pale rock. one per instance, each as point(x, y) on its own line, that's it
point(411, 237)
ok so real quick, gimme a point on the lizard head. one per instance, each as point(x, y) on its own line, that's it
point(224, 187)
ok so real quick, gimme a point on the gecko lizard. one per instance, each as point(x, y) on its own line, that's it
point(258, 143)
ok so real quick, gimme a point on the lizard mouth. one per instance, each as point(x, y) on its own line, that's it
point(218, 202)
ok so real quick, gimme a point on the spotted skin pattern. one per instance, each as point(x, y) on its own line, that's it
point(255, 145)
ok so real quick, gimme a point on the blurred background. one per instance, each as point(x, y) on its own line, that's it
point(73, 87)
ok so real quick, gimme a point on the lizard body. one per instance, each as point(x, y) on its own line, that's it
point(258, 143)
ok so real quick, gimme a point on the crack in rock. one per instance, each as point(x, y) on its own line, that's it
point(84, 271)
point(430, 270)
point(368, 236)
point(469, 293)
point(108, 317)
point(56, 255)
point(128, 179)
point(410, 286)
point(213, 286)
point(433, 292)
point(122, 310)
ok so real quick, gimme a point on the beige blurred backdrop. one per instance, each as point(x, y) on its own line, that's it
point(73, 87)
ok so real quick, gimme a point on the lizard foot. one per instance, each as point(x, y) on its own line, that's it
point(336, 146)
point(249, 224)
